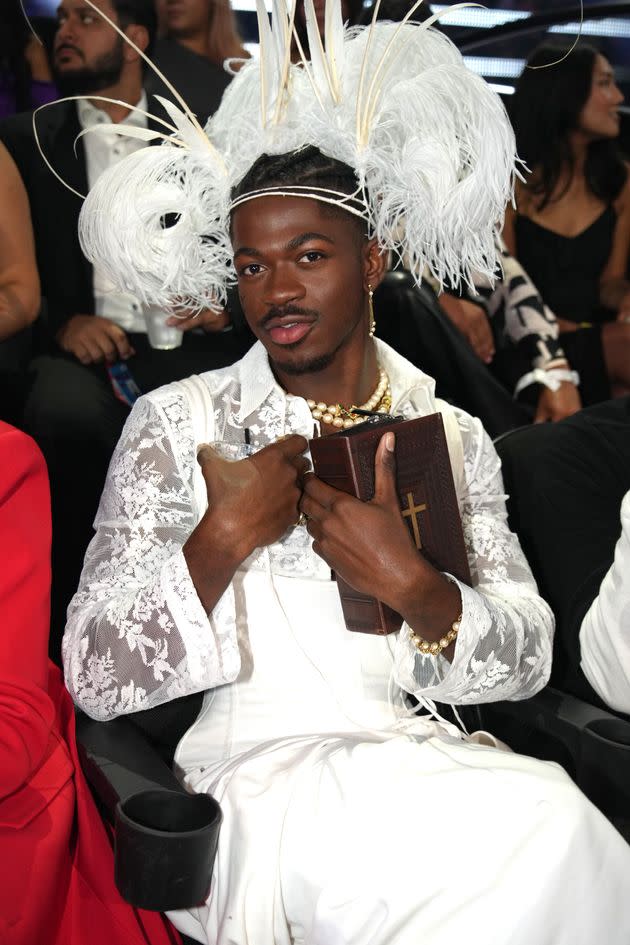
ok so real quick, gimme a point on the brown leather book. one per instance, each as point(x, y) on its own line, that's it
point(428, 502)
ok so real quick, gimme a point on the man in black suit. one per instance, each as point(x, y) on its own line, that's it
point(72, 409)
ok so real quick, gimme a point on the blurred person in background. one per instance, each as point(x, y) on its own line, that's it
point(19, 289)
point(74, 410)
point(571, 226)
point(25, 60)
point(197, 36)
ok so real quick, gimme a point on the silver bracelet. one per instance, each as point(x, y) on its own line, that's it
point(551, 379)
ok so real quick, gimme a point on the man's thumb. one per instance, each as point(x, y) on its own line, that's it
point(385, 470)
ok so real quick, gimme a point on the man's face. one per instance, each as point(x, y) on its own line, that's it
point(185, 17)
point(88, 53)
point(301, 280)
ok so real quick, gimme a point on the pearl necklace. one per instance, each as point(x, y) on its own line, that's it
point(344, 417)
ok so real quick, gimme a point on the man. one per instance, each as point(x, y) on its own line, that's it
point(72, 410)
point(569, 489)
point(346, 818)
point(199, 36)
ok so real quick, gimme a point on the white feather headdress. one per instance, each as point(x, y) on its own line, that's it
point(430, 143)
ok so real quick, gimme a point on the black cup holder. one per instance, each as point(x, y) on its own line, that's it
point(604, 767)
point(611, 731)
point(165, 848)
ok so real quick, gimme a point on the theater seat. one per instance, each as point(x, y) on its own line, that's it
point(165, 839)
point(409, 318)
point(566, 722)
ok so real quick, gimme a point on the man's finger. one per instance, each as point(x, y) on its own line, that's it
point(120, 340)
point(206, 454)
point(322, 493)
point(94, 351)
point(385, 471)
point(290, 446)
point(302, 466)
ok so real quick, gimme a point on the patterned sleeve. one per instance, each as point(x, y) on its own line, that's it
point(519, 317)
point(137, 634)
point(504, 646)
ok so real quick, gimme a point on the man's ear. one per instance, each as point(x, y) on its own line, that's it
point(138, 35)
point(376, 264)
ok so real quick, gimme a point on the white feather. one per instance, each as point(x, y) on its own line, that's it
point(430, 143)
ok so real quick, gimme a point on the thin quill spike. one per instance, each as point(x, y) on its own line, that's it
point(307, 67)
point(30, 25)
point(192, 118)
point(265, 51)
point(284, 77)
point(556, 62)
point(371, 99)
point(81, 98)
point(333, 43)
point(142, 134)
point(316, 48)
point(366, 53)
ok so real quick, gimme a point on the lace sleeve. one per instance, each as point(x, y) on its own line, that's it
point(137, 634)
point(504, 646)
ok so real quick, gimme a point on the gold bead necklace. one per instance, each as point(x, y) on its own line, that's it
point(345, 417)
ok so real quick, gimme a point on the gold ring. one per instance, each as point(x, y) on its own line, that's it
point(302, 520)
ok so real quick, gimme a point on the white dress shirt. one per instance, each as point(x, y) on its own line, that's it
point(101, 152)
point(605, 631)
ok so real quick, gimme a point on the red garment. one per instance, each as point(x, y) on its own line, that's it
point(56, 862)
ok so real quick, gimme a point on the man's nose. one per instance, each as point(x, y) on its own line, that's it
point(65, 33)
point(282, 286)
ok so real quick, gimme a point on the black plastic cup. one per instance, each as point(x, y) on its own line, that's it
point(165, 847)
point(604, 770)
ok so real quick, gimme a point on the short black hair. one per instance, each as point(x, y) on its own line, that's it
point(139, 12)
point(306, 167)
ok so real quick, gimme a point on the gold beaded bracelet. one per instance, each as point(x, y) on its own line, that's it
point(435, 648)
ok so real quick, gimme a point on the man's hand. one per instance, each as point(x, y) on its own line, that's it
point(472, 321)
point(252, 502)
point(370, 547)
point(368, 543)
point(206, 319)
point(91, 339)
point(556, 404)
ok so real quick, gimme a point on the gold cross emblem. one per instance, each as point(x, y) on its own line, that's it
point(411, 512)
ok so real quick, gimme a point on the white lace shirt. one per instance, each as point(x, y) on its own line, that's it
point(137, 633)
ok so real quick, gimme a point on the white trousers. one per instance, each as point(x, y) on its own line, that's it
point(352, 840)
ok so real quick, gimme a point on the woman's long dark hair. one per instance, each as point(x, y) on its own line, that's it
point(545, 109)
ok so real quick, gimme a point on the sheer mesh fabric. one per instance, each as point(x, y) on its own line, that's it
point(137, 634)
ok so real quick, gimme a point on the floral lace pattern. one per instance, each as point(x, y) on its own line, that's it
point(137, 634)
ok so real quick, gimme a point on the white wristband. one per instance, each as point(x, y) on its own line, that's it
point(551, 379)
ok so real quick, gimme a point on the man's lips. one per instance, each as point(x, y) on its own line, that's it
point(289, 329)
point(66, 52)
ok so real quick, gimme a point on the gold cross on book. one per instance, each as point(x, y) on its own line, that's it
point(411, 512)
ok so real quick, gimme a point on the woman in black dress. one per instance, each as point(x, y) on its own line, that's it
point(571, 226)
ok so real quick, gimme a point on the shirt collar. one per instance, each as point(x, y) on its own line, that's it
point(90, 115)
point(409, 384)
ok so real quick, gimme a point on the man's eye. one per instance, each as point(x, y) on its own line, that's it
point(250, 270)
point(312, 255)
point(87, 18)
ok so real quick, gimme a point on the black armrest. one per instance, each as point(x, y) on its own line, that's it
point(165, 838)
point(119, 761)
point(591, 743)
